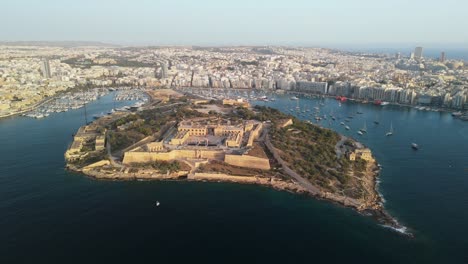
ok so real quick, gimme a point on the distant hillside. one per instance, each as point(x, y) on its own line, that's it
point(57, 43)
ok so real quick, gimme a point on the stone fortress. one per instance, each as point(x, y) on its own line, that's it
point(89, 134)
point(202, 139)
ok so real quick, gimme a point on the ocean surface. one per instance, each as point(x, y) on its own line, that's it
point(49, 215)
point(451, 53)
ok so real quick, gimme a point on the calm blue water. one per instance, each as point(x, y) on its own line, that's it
point(48, 215)
point(451, 53)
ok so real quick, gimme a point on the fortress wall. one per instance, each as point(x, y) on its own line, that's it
point(223, 177)
point(98, 164)
point(248, 161)
point(143, 157)
point(213, 154)
point(254, 134)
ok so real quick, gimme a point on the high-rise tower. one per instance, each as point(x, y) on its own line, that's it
point(45, 68)
point(442, 57)
point(418, 53)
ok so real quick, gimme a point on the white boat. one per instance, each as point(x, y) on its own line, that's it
point(364, 129)
point(389, 133)
point(347, 127)
point(359, 132)
point(384, 103)
point(157, 203)
point(414, 146)
point(294, 98)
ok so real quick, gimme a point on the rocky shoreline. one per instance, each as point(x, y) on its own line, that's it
point(374, 208)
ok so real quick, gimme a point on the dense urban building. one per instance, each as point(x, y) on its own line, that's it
point(29, 75)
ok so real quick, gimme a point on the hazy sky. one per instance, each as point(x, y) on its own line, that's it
point(219, 22)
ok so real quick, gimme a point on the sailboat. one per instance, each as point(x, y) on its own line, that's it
point(376, 121)
point(364, 129)
point(389, 133)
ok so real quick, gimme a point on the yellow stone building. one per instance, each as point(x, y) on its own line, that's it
point(364, 154)
point(225, 141)
point(236, 102)
point(206, 127)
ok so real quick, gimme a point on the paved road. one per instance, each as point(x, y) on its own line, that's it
point(338, 151)
point(112, 159)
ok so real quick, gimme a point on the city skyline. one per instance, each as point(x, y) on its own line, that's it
point(336, 23)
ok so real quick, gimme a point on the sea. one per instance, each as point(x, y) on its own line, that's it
point(51, 215)
point(434, 53)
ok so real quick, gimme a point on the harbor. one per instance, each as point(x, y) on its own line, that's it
point(266, 97)
point(430, 203)
point(76, 100)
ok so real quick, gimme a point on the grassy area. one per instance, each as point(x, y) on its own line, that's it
point(163, 167)
point(310, 151)
point(215, 166)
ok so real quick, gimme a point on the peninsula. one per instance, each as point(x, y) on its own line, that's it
point(178, 136)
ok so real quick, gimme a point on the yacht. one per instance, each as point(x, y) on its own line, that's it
point(364, 129)
point(359, 132)
point(389, 133)
point(347, 127)
point(294, 98)
point(414, 146)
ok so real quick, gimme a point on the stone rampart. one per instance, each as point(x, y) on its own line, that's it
point(248, 161)
point(144, 157)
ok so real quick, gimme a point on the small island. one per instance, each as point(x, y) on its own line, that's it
point(181, 137)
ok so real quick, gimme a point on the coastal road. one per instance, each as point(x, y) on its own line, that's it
point(340, 143)
point(112, 159)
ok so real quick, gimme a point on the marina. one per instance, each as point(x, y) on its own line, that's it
point(76, 100)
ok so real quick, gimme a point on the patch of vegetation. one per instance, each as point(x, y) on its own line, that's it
point(163, 167)
point(216, 166)
point(121, 140)
point(310, 151)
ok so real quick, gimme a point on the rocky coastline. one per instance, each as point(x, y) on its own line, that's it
point(373, 208)
point(286, 177)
